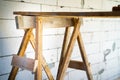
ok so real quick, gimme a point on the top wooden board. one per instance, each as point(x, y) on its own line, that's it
point(70, 14)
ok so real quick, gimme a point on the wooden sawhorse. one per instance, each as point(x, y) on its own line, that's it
point(67, 50)
point(67, 47)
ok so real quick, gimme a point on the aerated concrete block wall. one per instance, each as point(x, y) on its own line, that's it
point(101, 38)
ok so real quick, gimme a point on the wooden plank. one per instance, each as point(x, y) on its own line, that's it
point(25, 22)
point(77, 65)
point(64, 46)
point(84, 56)
point(21, 52)
point(69, 51)
point(38, 55)
point(23, 63)
point(71, 14)
point(57, 22)
point(44, 64)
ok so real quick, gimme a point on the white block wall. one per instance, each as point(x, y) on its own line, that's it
point(101, 38)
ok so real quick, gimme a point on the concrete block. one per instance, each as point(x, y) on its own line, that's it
point(70, 3)
point(117, 24)
point(50, 2)
point(117, 43)
point(59, 54)
point(90, 25)
point(66, 76)
point(107, 45)
point(95, 68)
point(47, 8)
point(108, 24)
point(8, 7)
point(108, 4)
point(77, 75)
point(55, 69)
point(9, 46)
point(52, 41)
point(5, 65)
point(75, 52)
point(107, 74)
point(29, 48)
point(4, 77)
point(112, 63)
point(96, 58)
point(72, 9)
point(92, 4)
point(50, 55)
point(27, 75)
point(61, 31)
point(8, 29)
point(87, 37)
point(35, 1)
point(30, 55)
point(50, 31)
point(116, 35)
point(92, 48)
point(62, 9)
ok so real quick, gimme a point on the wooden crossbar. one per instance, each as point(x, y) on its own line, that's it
point(76, 65)
point(23, 63)
point(25, 22)
point(21, 52)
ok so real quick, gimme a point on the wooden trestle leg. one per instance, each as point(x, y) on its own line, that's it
point(84, 56)
point(38, 51)
point(67, 48)
point(66, 60)
point(21, 52)
point(64, 47)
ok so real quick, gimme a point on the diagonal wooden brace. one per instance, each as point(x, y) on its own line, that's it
point(84, 56)
point(21, 52)
point(44, 64)
point(66, 54)
point(66, 60)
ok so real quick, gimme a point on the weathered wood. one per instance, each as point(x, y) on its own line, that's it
point(23, 63)
point(44, 64)
point(77, 65)
point(21, 52)
point(38, 55)
point(71, 14)
point(24, 22)
point(84, 56)
point(69, 51)
point(57, 22)
point(64, 46)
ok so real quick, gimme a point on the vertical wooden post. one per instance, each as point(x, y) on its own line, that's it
point(44, 64)
point(69, 51)
point(38, 55)
point(84, 56)
point(21, 52)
